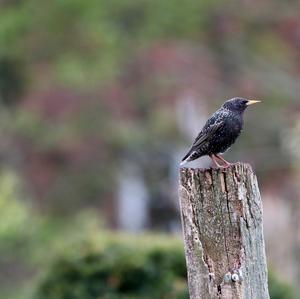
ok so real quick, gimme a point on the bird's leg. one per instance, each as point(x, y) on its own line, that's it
point(213, 157)
point(227, 164)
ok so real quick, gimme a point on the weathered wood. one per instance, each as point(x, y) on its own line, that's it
point(221, 213)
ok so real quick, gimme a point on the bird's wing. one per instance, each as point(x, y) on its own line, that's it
point(207, 132)
point(210, 129)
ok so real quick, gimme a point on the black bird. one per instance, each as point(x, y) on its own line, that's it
point(220, 132)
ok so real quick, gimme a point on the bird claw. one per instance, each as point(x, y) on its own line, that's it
point(222, 166)
point(226, 166)
point(226, 163)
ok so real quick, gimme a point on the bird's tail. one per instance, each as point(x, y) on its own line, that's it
point(185, 159)
point(183, 162)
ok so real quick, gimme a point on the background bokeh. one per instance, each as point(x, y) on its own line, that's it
point(101, 99)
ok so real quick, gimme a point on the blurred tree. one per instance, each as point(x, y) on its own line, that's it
point(96, 83)
point(12, 81)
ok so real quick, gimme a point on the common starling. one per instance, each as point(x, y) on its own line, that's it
point(219, 132)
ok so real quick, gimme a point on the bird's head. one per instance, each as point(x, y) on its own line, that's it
point(238, 104)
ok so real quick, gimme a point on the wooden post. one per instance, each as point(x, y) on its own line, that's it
point(221, 212)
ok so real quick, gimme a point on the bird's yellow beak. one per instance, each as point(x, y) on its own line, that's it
point(251, 102)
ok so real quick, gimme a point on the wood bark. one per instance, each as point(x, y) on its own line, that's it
point(221, 212)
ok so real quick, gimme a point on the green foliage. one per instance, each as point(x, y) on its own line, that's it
point(11, 80)
point(122, 267)
point(279, 289)
point(14, 214)
point(17, 226)
point(105, 30)
point(126, 267)
point(28, 240)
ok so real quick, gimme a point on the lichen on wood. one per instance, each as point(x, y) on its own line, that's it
point(221, 213)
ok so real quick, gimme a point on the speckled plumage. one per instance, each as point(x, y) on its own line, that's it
point(220, 131)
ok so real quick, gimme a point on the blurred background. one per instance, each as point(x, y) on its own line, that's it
point(99, 102)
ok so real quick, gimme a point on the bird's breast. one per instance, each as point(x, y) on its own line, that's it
point(228, 135)
point(234, 126)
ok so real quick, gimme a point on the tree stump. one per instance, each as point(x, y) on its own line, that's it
point(221, 212)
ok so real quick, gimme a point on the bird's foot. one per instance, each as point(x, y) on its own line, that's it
point(226, 163)
point(223, 166)
point(213, 157)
